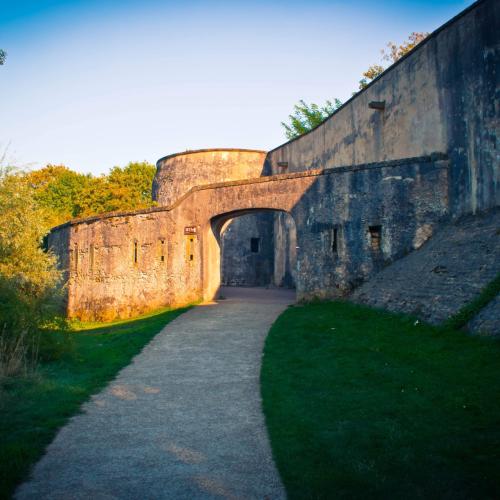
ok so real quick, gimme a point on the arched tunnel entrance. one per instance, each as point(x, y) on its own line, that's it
point(256, 248)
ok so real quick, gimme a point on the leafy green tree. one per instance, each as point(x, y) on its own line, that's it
point(3, 56)
point(23, 224)
point(137, 179)
point(127, 188)
point(66, 194)
point(392, 54)
point(96, 198)
point(58, 189)
point(30, 284)
point(306, 117)
point(29, 281)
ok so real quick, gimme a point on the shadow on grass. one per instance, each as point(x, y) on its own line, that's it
point(361, 403)
point(33, 409)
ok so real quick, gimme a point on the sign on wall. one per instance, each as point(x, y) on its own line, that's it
point(190, 230)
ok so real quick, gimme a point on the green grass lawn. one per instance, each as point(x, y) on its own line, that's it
point(361, 403)
point(33, 409)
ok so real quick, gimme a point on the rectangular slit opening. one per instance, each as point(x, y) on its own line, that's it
point(375, 237)
point(254, 245)
point(76, 257)
point(91, 258)
point(191, 249)
point(335, 242)
point(162, 250)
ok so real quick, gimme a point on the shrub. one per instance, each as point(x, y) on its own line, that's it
point(30, 283)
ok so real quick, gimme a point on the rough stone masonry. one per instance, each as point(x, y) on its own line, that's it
point(325, 211)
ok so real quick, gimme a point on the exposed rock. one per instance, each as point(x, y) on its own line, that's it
point(447, 273)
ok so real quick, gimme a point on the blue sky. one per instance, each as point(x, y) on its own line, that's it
point(93, 84)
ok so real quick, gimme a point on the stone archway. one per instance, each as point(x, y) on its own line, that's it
point(259, 249)
point(284, 256)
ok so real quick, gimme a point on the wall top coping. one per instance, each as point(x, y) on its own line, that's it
point(434, 157)
point(210, 150)
point(431, 36)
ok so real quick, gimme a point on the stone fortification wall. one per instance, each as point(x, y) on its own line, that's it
point(447, 273)
point(364, 189)
point(177, 174)
point(444, 96)
point(350, 223)
point(116, 268)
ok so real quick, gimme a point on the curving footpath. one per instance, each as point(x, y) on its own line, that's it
point(182, 421)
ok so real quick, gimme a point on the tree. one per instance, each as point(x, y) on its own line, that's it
point(3, 55)
point(137, 178)
point(127, 188)
point(29, 280)
point(30, 284)
point(58, 189)
point(306, 117)
point(396, 52)
point(66, 194)
point(23, 224)
point(370, 74)
point(393, 54)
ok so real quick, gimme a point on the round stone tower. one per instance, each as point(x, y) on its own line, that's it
point(247, 243)
point(176, 174)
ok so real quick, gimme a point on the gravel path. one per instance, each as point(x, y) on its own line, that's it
point(183, 420)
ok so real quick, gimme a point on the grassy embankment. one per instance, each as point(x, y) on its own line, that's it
point(361, 403)
point(33, 409)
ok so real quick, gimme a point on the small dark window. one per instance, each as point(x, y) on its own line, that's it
point(162, 250)
point(283, 166)
point(375, 237)
point(76, 257)
point(91, 258)
point(254, 245)
point(191, 245)
point(335, 241)
point(135, 252)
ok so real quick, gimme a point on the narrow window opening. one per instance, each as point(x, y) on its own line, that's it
point(283, 166)
point(91, 258)
point(375, 237)
point(335, 241)
point(190, 241)
point(162, 250)
point(76, 257)
point(135, 252)
point(254, 245)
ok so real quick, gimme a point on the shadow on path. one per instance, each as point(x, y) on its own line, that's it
point(183, 420)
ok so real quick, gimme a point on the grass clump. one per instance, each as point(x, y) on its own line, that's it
point(488, 293)
point(361, 403)
point(33, 408)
